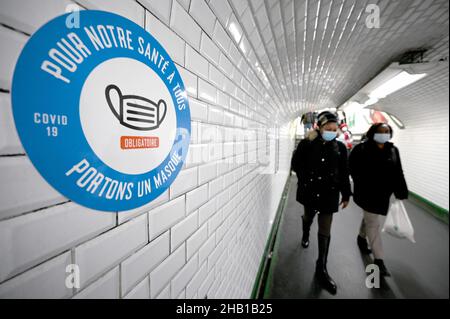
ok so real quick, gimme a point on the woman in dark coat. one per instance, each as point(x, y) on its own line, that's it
point(320, 163)
point(377, 173)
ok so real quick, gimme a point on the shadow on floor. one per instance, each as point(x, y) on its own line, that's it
point(418, 270)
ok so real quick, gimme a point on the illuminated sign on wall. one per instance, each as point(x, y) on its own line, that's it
point(101, 111)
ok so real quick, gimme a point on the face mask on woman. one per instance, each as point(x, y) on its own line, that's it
point(329, 135)
point(382, 138)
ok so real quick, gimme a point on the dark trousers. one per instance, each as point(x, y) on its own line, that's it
point(325, 221)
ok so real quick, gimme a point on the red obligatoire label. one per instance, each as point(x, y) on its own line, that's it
point(138, 142)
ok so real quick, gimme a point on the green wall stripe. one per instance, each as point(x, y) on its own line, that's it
point(256, 292)
point(434, 209)
point(274, 261)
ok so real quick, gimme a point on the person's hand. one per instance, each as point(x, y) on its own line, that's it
point(344, 203)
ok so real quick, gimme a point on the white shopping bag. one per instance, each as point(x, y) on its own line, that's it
point(398, 223)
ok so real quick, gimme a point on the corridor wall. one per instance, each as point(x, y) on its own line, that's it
point(424, 143)
point(204, 237)
point(424, 151)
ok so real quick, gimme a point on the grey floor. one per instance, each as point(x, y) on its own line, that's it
point(419, 270)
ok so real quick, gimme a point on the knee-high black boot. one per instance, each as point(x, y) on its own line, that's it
point(321, 266)
point(306, 226)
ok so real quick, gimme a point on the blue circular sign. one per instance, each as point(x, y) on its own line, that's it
point(101, 111)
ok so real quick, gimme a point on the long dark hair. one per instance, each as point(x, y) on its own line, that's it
point(373, 129)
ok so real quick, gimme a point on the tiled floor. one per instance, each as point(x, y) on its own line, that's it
point(418, 270)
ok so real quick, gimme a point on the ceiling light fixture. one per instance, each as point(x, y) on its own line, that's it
point(392, 79)
point(398, 82)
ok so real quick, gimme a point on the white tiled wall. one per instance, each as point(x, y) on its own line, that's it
point(205, 236)
point(424, 149)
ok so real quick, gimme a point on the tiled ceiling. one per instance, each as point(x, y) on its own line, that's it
point(313, 54)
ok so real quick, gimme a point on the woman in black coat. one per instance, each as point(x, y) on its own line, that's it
point(320, 162)
point(377, 173)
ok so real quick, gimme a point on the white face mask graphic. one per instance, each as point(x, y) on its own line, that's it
point(134, 111)
point(120, 109)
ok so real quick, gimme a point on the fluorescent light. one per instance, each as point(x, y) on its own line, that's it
point(371, 101)
point(235, 32)
point(398, 82)
point(390, 80)
point(353, 107)
point(242, 47)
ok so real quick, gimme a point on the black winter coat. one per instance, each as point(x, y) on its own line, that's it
point(322, 171)
point(377, 174)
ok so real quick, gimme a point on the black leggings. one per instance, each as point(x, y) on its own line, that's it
point(325, 220)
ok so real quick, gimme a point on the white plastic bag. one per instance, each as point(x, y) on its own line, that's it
point(398, 223)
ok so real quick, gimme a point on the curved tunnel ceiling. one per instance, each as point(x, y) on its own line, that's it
point(315, 54)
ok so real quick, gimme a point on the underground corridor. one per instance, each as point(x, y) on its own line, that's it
point(152, 149)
